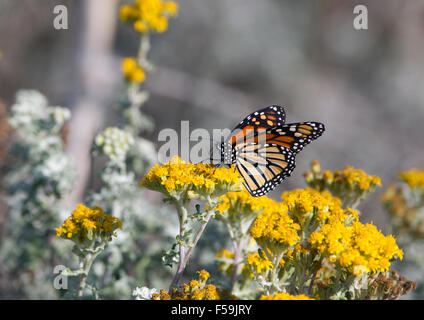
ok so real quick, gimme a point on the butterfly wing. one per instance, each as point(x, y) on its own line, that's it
point(295, 136)
point(265, 118)
point(257, 122)
point(269, 157)
point(263, 166)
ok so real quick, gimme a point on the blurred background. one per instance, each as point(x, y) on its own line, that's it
point(223, 59)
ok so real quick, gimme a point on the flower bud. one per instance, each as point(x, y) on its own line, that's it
point(315, 166)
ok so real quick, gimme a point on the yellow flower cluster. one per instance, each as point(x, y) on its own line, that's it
point(196, 289)
point(404, 207)
point(88, 221)
point(203, 275)
point(357, 247)
point(338, 214)
point(275, 225)
point(285, 296)
point(309, 200)
point(149, 15)
point(242, 202)
point(177, 177)
point(320, 205)
point(413, 178)
point(258, 263)
point(350, 184)
point(357, 177)
point(397, 205)
point(162, 295)
point(132, 71)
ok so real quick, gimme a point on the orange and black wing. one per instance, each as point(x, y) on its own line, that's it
point(265, 118)
point(256, 123)
point(295, 136)
point(264, 166)
point(269, 157)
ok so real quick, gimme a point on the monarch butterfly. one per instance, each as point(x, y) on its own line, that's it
point(263, 148)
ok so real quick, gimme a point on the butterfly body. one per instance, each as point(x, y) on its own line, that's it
point(263, 148)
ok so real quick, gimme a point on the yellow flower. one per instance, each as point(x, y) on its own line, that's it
point(357, 247)
point(160, 24)
point(162, 295)
point(328, 176)
point(203, 275)
point(132, 71)
point(149, 15)
point(350, 184)
point(68, 228)
point(141, 26)
point(177, 178)
point(196, 289)
point(170, 8)
point(242, 203)
point(274, 224)
point(285, 296)
point(413, 178)
point(198, 294)
point(128, 13)
point(88, 224)
point(315, 166)
point(84, 219)
point(307, 200)
point(258, 263)
point(212, 292)
point(356, 176)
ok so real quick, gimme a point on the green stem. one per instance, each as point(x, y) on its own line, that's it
point(274, 274)
point(144, 48)
point(182, 217)
point(86, 263)
point(183, 258)
point(302, 280)
point(237, 247)
point(236, 262)
point(311, 284)
point(198, 234)
point(133, 89)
